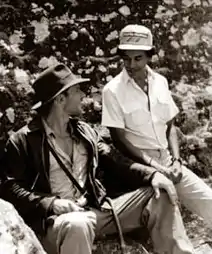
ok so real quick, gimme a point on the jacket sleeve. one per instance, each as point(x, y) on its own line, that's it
point(17, 188)
point(118, 168)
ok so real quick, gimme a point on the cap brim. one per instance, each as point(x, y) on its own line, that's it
point(134, 47)
point(77, 81)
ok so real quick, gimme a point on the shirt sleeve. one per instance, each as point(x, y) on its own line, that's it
point(173, 109)
point(112, 114)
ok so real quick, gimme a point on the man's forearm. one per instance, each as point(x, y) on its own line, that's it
point(123, 145)
point(125, 170)
point(173, 142)
point(24, 200)
point(132, 152)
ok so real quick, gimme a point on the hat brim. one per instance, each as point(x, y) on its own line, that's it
point(75, 82)
point(134, 47)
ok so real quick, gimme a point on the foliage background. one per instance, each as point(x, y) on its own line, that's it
point(84, 35)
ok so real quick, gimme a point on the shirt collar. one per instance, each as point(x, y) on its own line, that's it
point(126, 78)
point(47, 129)
point(49, 132)
point(150, 72)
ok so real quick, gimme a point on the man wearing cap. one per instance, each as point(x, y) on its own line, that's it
point(51, 166)
point(139, 110)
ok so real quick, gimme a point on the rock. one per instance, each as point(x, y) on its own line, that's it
point(15, 236)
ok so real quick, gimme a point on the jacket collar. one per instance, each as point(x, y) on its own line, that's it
point(36, 125)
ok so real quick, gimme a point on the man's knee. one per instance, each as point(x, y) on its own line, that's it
point(161, 201)
point(69, 228)
point(156, 208)
point(79, 222)
point(164, 198)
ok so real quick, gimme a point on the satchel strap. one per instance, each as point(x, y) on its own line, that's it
point(64, 168)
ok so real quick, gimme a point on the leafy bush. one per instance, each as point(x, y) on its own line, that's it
point(84, 35)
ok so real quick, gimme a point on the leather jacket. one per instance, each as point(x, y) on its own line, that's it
point(26, 169)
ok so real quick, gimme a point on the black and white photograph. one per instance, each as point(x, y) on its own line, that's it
point(106, 127)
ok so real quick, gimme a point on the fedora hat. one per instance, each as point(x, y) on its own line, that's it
point(135, 37)
point(52, 82)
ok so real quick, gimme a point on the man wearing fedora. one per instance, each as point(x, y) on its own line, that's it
point(51, 166)
point(139, 110)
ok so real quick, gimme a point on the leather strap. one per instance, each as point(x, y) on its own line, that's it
point(64, 168)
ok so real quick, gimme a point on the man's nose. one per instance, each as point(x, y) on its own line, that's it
point(132, 63)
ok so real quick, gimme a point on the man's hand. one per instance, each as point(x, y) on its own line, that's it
point(160, 181)
point(61, 206)
point(175, 172)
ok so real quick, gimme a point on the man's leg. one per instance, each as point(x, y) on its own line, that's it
point(71, 233)
point(196, 195)
point(163, 220)
point(128, 208)
point(166, 227)
point(192, 191)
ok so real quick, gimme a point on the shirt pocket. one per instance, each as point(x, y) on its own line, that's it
point(135, 118)
point(161, 109)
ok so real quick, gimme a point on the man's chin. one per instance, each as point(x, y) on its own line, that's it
point(131, 74)
point(76, 114)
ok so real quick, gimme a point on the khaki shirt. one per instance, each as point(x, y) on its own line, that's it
point(77, 165)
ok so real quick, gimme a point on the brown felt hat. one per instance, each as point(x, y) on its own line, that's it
point(52, 82)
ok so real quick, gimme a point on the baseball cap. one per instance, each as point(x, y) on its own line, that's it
point(135, 37)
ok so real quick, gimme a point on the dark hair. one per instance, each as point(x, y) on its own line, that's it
point(46, 108)
point(149, 53)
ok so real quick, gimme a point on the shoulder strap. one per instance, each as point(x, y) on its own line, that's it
point(64, 168)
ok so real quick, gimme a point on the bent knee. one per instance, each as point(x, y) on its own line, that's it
point(73, 226)
point(78, 221)
point(163, 203)
point(164, 199)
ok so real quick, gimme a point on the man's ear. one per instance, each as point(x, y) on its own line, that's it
point(60, 98)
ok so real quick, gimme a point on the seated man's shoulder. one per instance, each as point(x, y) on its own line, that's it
point(159, 77)
point(114, 83)
point(86, 127)
point(23, 132)
point(19, 134)
point(84, 124)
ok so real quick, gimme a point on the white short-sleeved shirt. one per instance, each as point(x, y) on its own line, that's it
point(125, 106)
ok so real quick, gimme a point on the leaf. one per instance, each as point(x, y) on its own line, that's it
point(10, 113)
point(41, 29)
point(125, 10)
